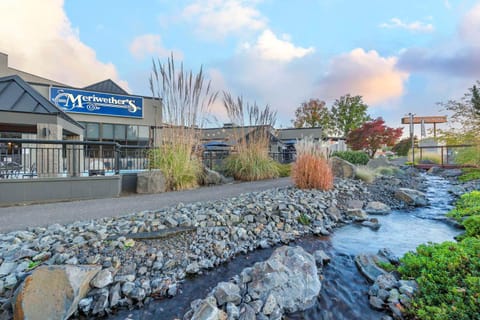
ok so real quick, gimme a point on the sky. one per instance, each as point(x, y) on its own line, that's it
point(400, 56)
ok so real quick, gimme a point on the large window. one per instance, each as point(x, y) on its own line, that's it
point(92, 131)
point(123, 134)
point(107, 131)
point(120, 132)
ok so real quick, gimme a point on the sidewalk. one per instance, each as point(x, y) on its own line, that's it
point(21, 217)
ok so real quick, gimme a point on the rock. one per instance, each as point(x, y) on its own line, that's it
point(386, 281)
point(376, 207)
point(372, 224)
point(53, 292)
point(367, 265)
point(378, 163)
point(376, 303)
point(100, 302)
point(7, 267)
point(342, 168)
point(193, 268)
point(233, 312)
point(151, 181)
point(411, 197)
point(321, 258)
point(247, 312)
point(389, 255)
point(290, 275)
point(227, 292)
point(270, 305)
point(354, 204)
point(210, 177)
point(115, 295)
point(102, 279)
point(357, 214)
point(207, 311)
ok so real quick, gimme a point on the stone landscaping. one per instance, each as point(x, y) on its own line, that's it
point(131, 270)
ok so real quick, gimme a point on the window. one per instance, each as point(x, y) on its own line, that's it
point(107, 131)
point(143, 133)
point(132, 132)
point(120, 132)
point(93, 131)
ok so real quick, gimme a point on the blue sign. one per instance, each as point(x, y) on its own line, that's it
point(89, 102)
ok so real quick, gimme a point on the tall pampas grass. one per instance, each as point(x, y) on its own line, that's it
point(312, 169)
point(185, 98)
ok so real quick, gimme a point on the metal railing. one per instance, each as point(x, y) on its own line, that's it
point(445, 155)
point(213, 159)
point(25, 158)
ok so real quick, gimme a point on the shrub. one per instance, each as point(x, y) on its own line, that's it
point(472, 226)
point(448, 275)
point(284, 169)
point(311, 172)
point(402, 147)
point(468, 156)
point(365, 174)
point(180, 168)
point(354, 157)
point(250, 165)
point(467, 205)
point(388, 171)
point(469, 174)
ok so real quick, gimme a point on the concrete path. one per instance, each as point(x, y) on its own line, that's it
point(21, 217)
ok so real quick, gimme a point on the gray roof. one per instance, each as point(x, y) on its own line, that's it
point(107, 86)
point(299, 133)
point(18, 96)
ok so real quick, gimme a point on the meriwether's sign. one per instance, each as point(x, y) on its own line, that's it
point(105, 104)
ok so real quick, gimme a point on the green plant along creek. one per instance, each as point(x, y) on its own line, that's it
point(344, 290)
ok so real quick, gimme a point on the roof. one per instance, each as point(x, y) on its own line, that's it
point(107, 86)
point(299, 133)
point(18, 96)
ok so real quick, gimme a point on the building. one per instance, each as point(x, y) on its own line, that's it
point(104, 110)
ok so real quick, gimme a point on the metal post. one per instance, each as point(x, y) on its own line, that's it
point(117, 158)
point(412, 137)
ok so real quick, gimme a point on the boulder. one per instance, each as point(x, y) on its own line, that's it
point(411, 197)
point(378, 163)
point(289, 276)
point(376, 207)
point(357, 214)
point(53, 292)
point(210, 177)
point(152, 181)
point(367, 265)
point(342, 168)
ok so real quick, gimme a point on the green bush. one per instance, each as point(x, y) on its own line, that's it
point(284, 169)
point(467, 205)
point(251, 165)
point(448, 275)
point(468, 156)
point(472, 226)
point(469, 174)
point(180, 169)
point(402, 147)
point(354, 157)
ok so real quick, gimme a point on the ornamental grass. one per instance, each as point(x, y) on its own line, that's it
point(312, 169)
point(250, 160)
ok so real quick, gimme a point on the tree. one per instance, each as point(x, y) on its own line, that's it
point(313, 113)
point(475, 100)
point(348, 113)
point(372, 135)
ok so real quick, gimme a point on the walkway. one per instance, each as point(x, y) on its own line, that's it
point(21, 217)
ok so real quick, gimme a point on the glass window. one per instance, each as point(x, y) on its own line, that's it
point(93, 131)
point(143, 132)
point(132, 132)
point(107, 131)
point(120, 132)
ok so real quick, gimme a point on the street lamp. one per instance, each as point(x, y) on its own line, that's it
point(411, 136)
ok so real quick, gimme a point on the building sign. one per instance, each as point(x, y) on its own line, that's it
point(89, 102)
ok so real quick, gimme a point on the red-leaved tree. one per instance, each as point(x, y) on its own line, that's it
point(372, 135)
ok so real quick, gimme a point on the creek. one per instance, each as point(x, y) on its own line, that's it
point(344, 290)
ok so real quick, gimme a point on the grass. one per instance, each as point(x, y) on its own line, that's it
point(250, 160)
point(469, 174)
point(304, 219)
point(312, 170)
point(284, 169)
point(388, 171)
point(365, 174)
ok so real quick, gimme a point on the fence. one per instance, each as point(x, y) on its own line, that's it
point(21, 158)
point(444, 155)
point(213, 159)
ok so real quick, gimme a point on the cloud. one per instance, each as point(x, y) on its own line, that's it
point(469, 28)
point(416, 26)
point(220, 18)
point(269, 47)
point(359, 72)
point(42, 41)
point(151, 45)
point(447, 4)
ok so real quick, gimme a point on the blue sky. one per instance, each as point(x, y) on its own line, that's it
point(401, 56)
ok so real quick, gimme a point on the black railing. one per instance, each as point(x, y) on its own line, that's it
point(21, 158)
point(214, 159)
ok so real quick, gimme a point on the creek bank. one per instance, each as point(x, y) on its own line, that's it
point(141, 270)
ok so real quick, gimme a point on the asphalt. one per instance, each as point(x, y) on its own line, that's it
point(39, 215)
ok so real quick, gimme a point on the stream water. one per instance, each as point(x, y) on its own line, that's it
point(344, 290)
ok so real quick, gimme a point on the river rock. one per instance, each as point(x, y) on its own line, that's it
point(227, 292)
point(357, 214)
point(210, 177)
point(342, 168)
point(412, 197)
point(376, 207)
point(53, 292)
point(367, 265)
point(378, 163)
point(102, 279)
